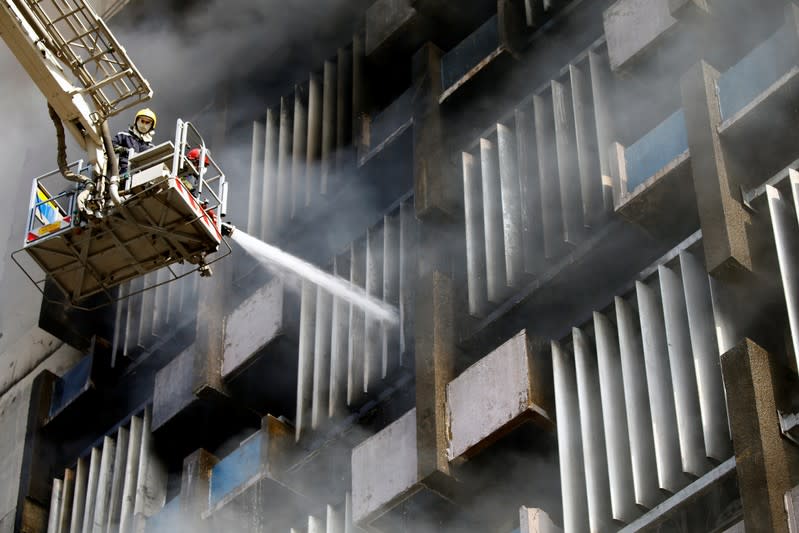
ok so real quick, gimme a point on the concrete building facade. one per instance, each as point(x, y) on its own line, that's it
point(585, 215)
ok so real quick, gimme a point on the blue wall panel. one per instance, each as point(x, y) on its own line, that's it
point(392, 118)
point(72, 384)
point(753, 74)
point(469, 52)
point(235, 469)
point(656, 149)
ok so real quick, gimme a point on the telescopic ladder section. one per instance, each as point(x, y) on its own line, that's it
point(73, 58)
point(82, 41)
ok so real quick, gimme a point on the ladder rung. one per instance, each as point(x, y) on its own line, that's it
point(64, 16)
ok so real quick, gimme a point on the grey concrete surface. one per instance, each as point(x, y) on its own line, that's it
point(13, 419)
point(489, 395)
point(384, 467)
point(256, 322)
point(632, 25)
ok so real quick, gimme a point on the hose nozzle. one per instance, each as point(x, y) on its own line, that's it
point(228, 229)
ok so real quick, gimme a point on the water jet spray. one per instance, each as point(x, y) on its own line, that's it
point(274, 257)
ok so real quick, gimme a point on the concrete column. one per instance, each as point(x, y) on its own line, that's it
point(723, 218)
point(209, 343)
point(434, 186)
point(431, 192)
point(435, 355)
point(195, 487)
point(766, 463)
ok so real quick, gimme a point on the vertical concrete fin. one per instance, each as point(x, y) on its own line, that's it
point(586, 144)
point(724, 311)
point(373, 347)
point(256, 178)
point(529, 189)
point(391, 287)
point(173, 296)
point(118, 478)
point(270, 176)
point(343, 105)
point(348, 520)
point(618, 172)
point(570, 446)
point(79, 501)
point(161, 309)
point(314, 140)
point(98, 521)
point(358, 86)
point(492, 221)
point(784, 226)
point(55, 506)
point(683, 375)
point(408, 275)
point(131, 475)
point(299, 150)
point(284, 160)
point(316, 525)
point(67, 496)
point(321, 358)
point(614, 417)
point(330, 88)
point(339, 341)
point(568, 171)
point(305, 356)
point(600, 76)
point(355, 352)
point(144, 335)
point(636, 399)
point(152, 477)
point(510, 193)
point(475, 235)
point(91, 491)
point(125, 343)
point(592, 431)
point(661, 398)
point(713, 405)
point(334, 521)
point(120, 314)
point(552, 221)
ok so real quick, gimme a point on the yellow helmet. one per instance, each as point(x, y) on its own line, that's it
point(146, 112)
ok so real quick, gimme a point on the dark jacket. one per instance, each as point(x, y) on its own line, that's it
point(127, 143)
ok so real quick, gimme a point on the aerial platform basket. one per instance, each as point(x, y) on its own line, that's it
point(170, 212)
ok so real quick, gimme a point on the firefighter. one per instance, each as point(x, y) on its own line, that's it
point(138, 138)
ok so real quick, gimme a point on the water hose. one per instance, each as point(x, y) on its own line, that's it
point(62, 150)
